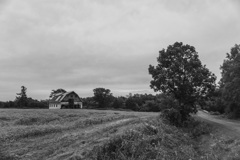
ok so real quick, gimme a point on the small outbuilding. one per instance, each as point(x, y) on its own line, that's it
point(65, 100)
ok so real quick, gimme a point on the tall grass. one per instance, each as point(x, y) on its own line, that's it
point(31, 126)
point(153, 140)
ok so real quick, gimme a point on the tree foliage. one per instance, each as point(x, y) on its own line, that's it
point(230, 82)
point(21, 98)
point(118, 102)
point(180, 73)
point(89, 102)
point(103, 97)
point(54, 92)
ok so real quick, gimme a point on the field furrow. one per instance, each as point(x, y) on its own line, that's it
point(60, 134)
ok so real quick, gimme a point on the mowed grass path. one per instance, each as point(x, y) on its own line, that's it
point(60, 134)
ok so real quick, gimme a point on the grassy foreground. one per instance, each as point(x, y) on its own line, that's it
point(157, 140)
point(153, 140)
point(60, 134)
point(92, 134)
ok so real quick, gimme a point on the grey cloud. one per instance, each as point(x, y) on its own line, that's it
point(80, 45)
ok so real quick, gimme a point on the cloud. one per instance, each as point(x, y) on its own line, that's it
point(81, 45)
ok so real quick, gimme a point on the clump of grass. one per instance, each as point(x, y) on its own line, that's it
point(123, 147)
point(153, 140)
point(225, 148)
point(100, 120)
point(4, 119)
point(4, 155)
point(28, 132)
point(35, 120)
point(196, 128)
point(27, 121)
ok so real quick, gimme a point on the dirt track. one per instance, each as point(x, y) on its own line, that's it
point(224, 126)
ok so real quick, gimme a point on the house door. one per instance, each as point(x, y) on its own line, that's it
point(71, 103)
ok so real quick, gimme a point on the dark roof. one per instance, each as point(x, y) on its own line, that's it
point(57, 98)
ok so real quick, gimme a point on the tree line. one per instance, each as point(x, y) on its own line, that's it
point(104, 99)
point(23, 101)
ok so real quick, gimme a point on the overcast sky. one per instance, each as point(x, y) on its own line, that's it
point(84, 44)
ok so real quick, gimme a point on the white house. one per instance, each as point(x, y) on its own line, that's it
point(65, 100)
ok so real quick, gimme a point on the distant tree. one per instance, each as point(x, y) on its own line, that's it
point(89, 102)
point(141, 102)
point(2, 104)
point(60, 90)
point(179, 72)
point(103, 97)
point(118, 102)
point(21, 98)
point(33, 103)
point(230, 81)
point(10, 104)
point(150, 106)
point(132, 103)
point(215, 103)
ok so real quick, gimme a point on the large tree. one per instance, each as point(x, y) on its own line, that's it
point(54, 92)
point(21, 98)
point(103, 97)
point(230, 82)
point(180, 73)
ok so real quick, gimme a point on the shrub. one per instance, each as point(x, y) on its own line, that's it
point(172, 116)
point(150, 106)
point(233, 110)
point(131, 104)
point(215, 105)
point(196, 128)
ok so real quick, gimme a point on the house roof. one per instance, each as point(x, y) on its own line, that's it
point(57, 98)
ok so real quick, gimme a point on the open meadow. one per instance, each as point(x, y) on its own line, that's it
point(42, 134)
point(60, 134)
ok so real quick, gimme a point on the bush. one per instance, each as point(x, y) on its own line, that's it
point(172, 116)
point(215, 105)
point(118, 103)
point(150, 106)
point(196, 128)
point(233, 110)
point(131, 104)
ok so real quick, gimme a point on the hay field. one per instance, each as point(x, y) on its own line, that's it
point(60, 134)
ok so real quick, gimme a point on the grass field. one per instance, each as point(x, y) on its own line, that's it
point(104, 135)
point(60, 134)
